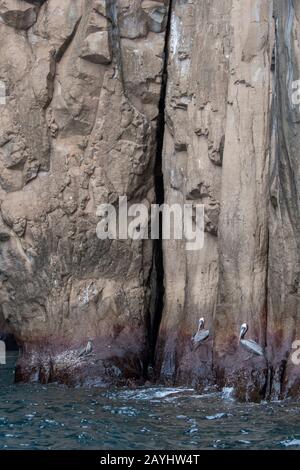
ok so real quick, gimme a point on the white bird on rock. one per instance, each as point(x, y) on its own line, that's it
point(201, 334)
point(86, 350)
point(249, 344)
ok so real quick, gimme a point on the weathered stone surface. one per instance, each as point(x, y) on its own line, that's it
point(98, 97)
point(72, 137)
point(216, 153)
point(96, 48)
point(243, 231)
point(18, 14)
point(283, 326)
point(197, 90)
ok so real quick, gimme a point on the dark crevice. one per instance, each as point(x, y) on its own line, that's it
point(9, 349)
point(158, 264)
point(55, 58)
point(10, 341)
point(58, 54)
point(115, 40)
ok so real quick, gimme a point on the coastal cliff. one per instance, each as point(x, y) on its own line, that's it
point(165, 101)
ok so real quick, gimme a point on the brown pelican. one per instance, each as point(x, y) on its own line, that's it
point(86, 350)
point(249, 344)
point(201, 334)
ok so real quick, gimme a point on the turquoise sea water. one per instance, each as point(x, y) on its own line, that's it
point(56, 417)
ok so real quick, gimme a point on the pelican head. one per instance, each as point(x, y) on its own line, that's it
point(201, 323)
point(243, 330)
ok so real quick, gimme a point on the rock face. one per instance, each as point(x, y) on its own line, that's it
point(230, 88)
point(83, 84)
point(98, 98)
point(283, 326)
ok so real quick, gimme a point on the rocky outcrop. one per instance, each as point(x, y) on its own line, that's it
point(283, 326)
point(217, 141)
point(83, 85)
point(196, 108)
point(102, 97)
point(231, 143)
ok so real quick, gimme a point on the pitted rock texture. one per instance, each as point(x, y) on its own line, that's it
point(101, 96)
point(75, 133)
point(231, 143)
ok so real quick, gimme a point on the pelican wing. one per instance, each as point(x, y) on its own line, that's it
point(199, 337)
point(82, 351)
point(252, 346)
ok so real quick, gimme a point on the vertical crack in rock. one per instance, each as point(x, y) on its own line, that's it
point(272, 173)
point(158, 290)
point(64, 46)
point(112, 14)
point(56, 57)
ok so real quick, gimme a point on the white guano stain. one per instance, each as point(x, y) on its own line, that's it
point(85, 298)
point(175, 33)
point(257, 10)
point(257, 74)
